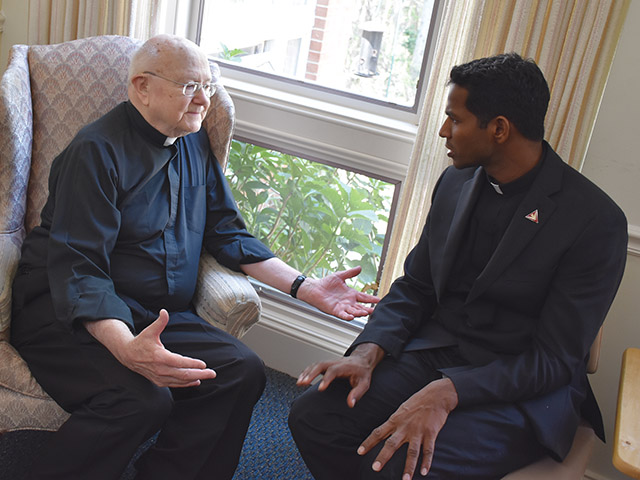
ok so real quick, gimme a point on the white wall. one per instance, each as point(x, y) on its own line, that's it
point(613, 163)
point(15, 27)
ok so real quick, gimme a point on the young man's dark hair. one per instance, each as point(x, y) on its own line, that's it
point(505, 85)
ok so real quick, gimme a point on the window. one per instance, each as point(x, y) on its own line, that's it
point(317, 218)
point(369, 48)
point(331, 86)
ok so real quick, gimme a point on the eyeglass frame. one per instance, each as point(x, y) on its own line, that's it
point(198, 85)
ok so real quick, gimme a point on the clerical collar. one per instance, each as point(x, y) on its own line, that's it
point(146, 129)
point(518, 185)
point(495, 186)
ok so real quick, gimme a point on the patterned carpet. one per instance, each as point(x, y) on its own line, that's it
point(269, 451)
point(268, 454)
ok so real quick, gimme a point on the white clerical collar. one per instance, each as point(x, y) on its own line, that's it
point(496, 187)
point(170, 141)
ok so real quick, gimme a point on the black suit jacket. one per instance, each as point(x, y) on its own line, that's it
point(535, 309)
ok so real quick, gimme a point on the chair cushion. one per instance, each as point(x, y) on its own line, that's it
point(15, 374)
point(573, 466)
point(24, 404)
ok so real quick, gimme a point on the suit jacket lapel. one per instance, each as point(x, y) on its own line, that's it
point(464, 207)
point(531, 215)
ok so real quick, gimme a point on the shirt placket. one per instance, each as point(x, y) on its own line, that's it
point(171, 243)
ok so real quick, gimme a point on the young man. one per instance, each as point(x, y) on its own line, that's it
point(102, 299)
point(474, 364)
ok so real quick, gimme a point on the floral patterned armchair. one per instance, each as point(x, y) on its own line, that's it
point(47, 94)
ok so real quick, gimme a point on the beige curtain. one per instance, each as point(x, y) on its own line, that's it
point(573, 42)
point(55, 21)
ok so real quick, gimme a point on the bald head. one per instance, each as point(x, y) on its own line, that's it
point(164, 52)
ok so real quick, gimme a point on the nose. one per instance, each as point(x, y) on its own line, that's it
point(445, 129)
point(201, 97)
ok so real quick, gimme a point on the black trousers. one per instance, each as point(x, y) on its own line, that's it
point(114, 410)
point(475, 443)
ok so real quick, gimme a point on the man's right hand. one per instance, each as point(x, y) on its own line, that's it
point(145, 354)
point(358, 368)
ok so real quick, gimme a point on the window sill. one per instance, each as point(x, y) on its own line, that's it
point(295, 319)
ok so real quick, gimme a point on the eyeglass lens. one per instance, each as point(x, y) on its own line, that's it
point(190, 89)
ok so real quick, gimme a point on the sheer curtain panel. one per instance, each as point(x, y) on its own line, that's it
point(56, 21)
point(573, 42)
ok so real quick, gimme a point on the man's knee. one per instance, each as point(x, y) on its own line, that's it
point(143, 410)
point(315, 414)
point(303, 411)
point(156, 407)
point(243, 372)
point(253, 372)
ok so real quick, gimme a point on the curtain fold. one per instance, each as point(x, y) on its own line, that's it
point(573, 42)
point(457, 35)
point(56, 21)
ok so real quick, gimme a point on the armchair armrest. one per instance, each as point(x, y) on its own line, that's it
point(9, 257)
point(224, 298)
point(626, 441)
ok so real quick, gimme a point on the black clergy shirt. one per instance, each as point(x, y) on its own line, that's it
point(126, 219)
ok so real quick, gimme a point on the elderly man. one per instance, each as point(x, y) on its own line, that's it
point(474, 364)
point(102, 298)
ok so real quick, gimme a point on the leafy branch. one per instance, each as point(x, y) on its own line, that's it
point(315, 217)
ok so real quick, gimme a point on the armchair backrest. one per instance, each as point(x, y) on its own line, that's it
point(72, 84)
point(48, 93)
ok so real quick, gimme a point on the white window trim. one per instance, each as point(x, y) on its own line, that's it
point(336, 135)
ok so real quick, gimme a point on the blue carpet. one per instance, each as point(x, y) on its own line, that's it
point(268, 453)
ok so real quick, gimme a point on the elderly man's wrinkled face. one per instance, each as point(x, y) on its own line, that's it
point(171, 112)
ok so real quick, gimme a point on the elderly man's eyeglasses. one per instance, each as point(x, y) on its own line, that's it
point(190, 89)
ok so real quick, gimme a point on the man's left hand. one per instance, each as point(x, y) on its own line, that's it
point(416, 422)
point(332, 295)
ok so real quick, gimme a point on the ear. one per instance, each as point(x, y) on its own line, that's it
point(140, 88)
point(501, 129)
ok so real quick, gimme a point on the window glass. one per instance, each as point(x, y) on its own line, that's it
point(317, 218)
point(371, 48)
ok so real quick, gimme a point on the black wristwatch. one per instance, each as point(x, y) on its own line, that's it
point(296, 285)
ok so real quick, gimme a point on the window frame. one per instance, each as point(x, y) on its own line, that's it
point(191, 12)
point(312, 90)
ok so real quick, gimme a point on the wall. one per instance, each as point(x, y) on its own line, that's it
point(612, 162)
point(15, 27)
point(2, 21)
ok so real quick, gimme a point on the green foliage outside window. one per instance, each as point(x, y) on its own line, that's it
point(317, 218)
